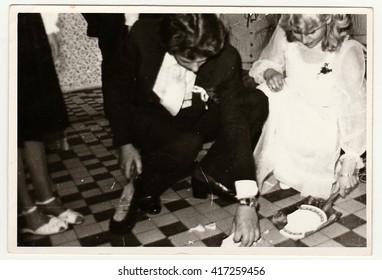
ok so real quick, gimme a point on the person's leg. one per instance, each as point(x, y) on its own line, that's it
point(35, 160)
point(25, 202)
point(168, 147)
point(170, 162)
point(110, 46)
point(257, 110)
point(231, 157)
point(31, 218)
point(168, 150)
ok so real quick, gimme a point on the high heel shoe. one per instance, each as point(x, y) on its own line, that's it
point(53, 226)
point(68, 215)
point(125, 216)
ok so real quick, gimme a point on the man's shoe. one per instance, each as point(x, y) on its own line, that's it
point(150, 204)
point(201, 189)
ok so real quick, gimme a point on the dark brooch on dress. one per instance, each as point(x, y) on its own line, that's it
point(325, 69)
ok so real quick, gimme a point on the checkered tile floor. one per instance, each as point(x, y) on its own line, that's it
point(87, 179)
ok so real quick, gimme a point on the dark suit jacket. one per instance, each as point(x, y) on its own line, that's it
point(110, 30)
point(103, 24)
point(136, 74)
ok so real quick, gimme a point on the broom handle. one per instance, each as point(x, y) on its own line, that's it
point(331, 199)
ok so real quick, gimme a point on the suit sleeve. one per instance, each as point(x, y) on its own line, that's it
point(232, 84)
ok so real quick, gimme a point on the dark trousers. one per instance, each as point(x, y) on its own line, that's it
point(111, 32)
point(110, 47)
point(170, 145)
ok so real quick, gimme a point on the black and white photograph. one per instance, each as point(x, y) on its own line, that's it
point(241, 131)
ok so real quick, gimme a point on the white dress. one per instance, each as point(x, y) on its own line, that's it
point(320, 110)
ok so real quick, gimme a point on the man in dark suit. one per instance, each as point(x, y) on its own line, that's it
point(110, 30)
point(179, 86)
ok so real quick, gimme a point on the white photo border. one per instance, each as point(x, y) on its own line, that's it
point(272, 251)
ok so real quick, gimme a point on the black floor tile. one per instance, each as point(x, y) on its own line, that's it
point(351, 221)
point(214, 241)
point(103, 215)
point(87, 157)
point(82, 130)
point(173, 229)
point(107, 158)
point(71, 197)
point(93, 143)
point(223, 203)
point(104, 137)
point(94, 165)
point(56, 166)
point(113, 167)
point(160, 243)
point(67, 154)
point(102, 198)
point(95, 240)
point(87, 186)
point(351, 239)
point(85, 210)
point(177, 205)
point(280, 194)
point(291, 243)
point(62, 179)
point(361, 198)
point(126, 240)
point(103, 176)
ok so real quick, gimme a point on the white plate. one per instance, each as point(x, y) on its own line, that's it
point(304, 220)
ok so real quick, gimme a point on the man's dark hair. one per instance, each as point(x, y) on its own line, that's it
point(193, 35)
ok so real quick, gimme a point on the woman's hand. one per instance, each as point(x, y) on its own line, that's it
point(245, 226)
point(347, 178)
point(130, 161)
point(275, 80)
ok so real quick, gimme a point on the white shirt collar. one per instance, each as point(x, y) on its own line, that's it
point(169, 60)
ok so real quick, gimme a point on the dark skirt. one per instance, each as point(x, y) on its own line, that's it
point(41, 107)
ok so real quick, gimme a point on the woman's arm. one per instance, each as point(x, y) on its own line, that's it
point(271, 57)
point(351, 82)
point(352, 117)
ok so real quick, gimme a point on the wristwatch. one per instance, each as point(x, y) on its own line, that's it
point(251, 202)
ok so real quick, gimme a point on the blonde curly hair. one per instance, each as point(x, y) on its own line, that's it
point(338, 27)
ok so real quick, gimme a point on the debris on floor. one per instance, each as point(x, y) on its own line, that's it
point(201, 228)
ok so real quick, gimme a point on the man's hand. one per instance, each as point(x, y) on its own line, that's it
point(130, 161)
point(246, 226)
